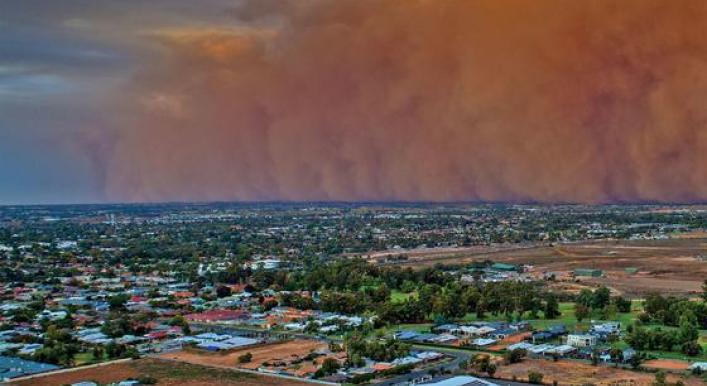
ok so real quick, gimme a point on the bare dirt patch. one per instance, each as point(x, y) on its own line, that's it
point(666, 364)
point(285, 357)
point(579, 373)
point(166, 372)
point(285, 351)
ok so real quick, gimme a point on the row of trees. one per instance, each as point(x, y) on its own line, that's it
point(599, 302)
point(670, 310)
point(684, 338)
point(358, 347)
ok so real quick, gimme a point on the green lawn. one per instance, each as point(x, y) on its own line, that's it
point(567, 317)
point(388, 330)
point(397, 296)
point(84, 358)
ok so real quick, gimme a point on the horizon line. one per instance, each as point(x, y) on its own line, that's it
point(325, 202)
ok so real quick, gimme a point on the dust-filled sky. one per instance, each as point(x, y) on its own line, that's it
point(435, 100)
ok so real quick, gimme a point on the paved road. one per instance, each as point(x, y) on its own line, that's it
point(458, 357)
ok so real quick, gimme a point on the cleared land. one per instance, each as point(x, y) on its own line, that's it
point(166, 372)
point(667, 364)
point(286, 356)
point(578, 373)
point(675, 266)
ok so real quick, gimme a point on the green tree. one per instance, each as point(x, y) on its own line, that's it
point(98, 352)
point(514, 356)
point(691, 348)
point(117, 302)
point(581, 311)
point(552, 307)
point(601, 298)
point(491, 369)
point(330, 366)
point(222, 291)
point(609, 312)
point(585, 297)
point(687, 331)
point(622, 304)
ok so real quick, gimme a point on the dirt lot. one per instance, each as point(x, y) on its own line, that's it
point(167, 373)
point(666, 364)
point(578, 373)
point(674, 266)
point(280, 355)
point(510, 340)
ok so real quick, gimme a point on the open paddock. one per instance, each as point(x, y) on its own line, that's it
point(167, 373)
point(288, 357)
point(674, 266)
point(666, 364)
point(579, 373)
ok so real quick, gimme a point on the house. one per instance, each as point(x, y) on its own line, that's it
point(483, 342)
point(503, 334)
point(428, 355)
point(218, 316)
point(11, 367)
point(503, 267)
point(264, 264)
point(519, 346)
point(581, 340)
point(561, 350)
point(605, 329)
point(628, 354)
point(444, 339)
point(446, 328)
point(405, 335)
point(459, 380)
point(540, 349)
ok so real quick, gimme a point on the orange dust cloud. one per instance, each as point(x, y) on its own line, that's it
point(491, 100)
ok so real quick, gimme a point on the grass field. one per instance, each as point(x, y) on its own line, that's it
point(568, 318)
point(83, 358)
point(389, 330)
point(397, 296)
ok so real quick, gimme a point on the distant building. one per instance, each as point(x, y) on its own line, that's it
point(504, 267)
point(581, 340)
point(218, 316)
point(588, 272)
point(264, 264)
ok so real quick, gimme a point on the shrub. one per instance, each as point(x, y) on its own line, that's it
point(535, 377)
point(245, 358)
point(147, 380)
point(515, 356)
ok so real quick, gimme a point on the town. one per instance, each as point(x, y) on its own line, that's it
point(352, 294)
